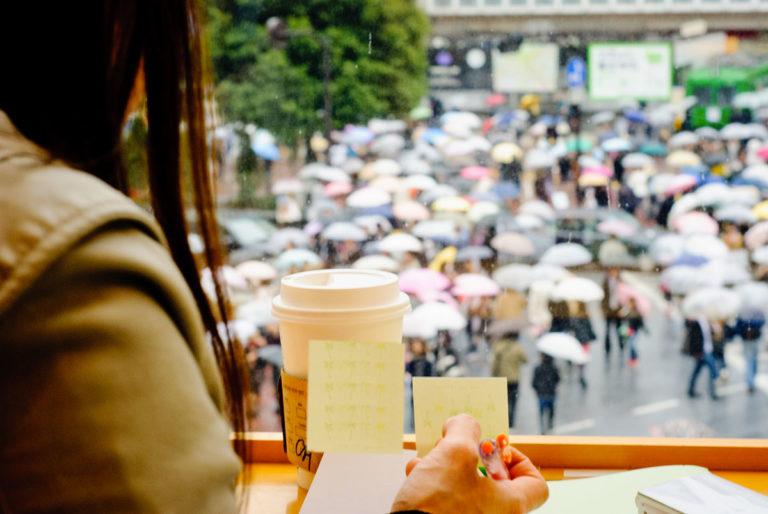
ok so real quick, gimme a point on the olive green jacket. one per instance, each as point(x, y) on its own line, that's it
point(110, 400)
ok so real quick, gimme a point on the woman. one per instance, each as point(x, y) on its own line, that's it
point(111, 399)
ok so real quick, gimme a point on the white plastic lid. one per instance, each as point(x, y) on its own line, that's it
point(333, 294)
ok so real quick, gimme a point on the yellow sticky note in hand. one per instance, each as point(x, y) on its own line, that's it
point(355, 397)
point(437, 399)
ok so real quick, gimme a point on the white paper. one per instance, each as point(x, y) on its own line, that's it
point(707, 494)
point(353, 483)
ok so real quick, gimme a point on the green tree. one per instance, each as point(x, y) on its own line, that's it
point(378, 62)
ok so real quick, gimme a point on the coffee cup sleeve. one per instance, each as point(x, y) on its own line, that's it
point(293, 418)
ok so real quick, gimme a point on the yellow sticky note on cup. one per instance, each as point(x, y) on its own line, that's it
point(355, 397)
point(437, 399)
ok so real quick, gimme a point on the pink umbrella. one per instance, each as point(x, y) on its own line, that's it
point(616, 227)
point(603, 171)
point(475, 172)
point(417, 280)
point(410, 211)
point(474, 284)
point(428, 295)
point(763, 153)
point(680, 184)
point(337, 189)
point(627, 292)
point(694, 222)
point(757, 235)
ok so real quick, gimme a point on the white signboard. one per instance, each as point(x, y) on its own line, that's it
point(699, 50)
point(641, 71)
point(532, 69)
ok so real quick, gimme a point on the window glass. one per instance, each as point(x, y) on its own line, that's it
point(584, 185)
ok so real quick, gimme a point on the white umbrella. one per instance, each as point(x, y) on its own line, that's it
point(745, 195)
point(344, 231)
point(482, 210)
point(589, 161)
point(562, 346)
point(757, 235)
point(514, 276)
point(420, 182)
point(387, 183)
point(614, 253)
point(753, 295)
point(538, 159)
point(230, 276)
point(451, 204)
point(684, 279)
point(683, 139)
point(287, 186)
point(684, 204)
point(297, 258)
point(465, 118)
point(400, 242)
point(474, 284)
point(382, 126)
point(579, 289)
point(528, 222)
point(388, 167)
point(715, 303)
point(288, 237)
point(514, 244)
point(436, 229)
point(538, 208)
point(440, 315)
point(409, 210)
point(414, 165)
point(705, 246)
point(368, 197)
point(372, 223)
point(666, 248)
point(549, 272)
point(602, 117)
point(760, 256)
point(616, 144)
point(439, 191)
point(735, 131)
point(256, 271)
point(377, 262)
point(726, 271)
point(259, 313)
point(736, 214)
point(353, 165)
point(566, 254)
point(388, 145)
point(418, 326)
point(713, 194)
point(637, 161)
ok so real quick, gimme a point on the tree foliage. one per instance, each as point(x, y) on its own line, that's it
point(378, 61)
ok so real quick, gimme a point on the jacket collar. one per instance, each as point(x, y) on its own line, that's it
point(13, 145)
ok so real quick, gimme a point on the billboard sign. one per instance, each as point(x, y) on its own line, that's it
point(640, 71)
point(533, 68)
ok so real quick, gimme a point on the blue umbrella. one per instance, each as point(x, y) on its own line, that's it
point(432, 134)
point(506, 190)
point(474, 253)
point(635, 116)
point(486, 196)
point(267, 152)
point(688, 259)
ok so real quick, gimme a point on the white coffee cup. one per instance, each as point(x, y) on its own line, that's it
point(336, 305)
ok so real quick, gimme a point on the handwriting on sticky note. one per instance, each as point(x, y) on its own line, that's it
point(437, 399)
point(355, 397)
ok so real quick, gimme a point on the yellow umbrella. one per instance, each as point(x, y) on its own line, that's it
point(593, 180)
point(761, 210)
point(445, 256)
point(451, 204)
point(505, 153)
point(683, 158)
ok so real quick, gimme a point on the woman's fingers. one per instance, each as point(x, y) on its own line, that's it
point(520, 465)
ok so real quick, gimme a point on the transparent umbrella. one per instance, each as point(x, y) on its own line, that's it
point(399, 242)
point(441, 315)
point(377, 262)
point(562, 346)
point(514, 276)
point(579, 289)
point(368, 197)
point(566, 254)
point(716, 303)
point(513, 243)
point(344, 231)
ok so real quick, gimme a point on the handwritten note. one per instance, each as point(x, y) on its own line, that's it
point(355, 397)
point(437, 399)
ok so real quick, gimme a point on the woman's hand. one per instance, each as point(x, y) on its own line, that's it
point(446, 479)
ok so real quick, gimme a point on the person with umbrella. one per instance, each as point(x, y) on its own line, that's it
point(581, 327)
point(631, 325)
point(508, 357)
point(699, 344)
point(545, 380)
point(749, 327)
point(612, 309)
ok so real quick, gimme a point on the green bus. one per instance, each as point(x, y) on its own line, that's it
point(715, 89)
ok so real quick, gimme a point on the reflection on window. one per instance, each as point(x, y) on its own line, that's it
point(468, 3)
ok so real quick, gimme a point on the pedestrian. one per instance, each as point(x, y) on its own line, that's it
point(632, 323)
point(508, 358)
point(419, 365)
point(611, 308)
point(749, 326)
point(699, 345)
point(581, 328)
point(446, 357)
point(545, 380)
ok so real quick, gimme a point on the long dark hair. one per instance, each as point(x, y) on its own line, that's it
point(68, 71)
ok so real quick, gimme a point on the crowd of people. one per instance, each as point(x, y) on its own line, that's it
point(498, 226)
